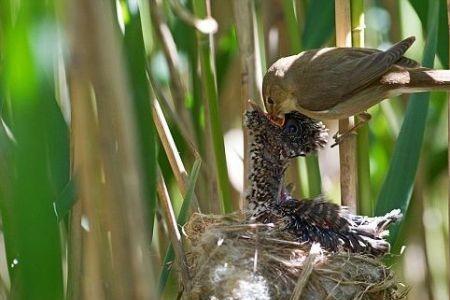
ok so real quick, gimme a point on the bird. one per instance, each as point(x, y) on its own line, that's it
point(336, 83)
point(315, 220)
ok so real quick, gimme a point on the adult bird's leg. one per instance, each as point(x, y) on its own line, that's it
point(364, 117)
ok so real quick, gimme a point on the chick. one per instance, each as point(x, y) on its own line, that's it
point(316, 220)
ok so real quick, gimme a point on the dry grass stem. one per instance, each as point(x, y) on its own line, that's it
point(174, 233)
point(347, 148)
point(170, 148)
point(168, 108)
point(308, 267)
point(178, 88)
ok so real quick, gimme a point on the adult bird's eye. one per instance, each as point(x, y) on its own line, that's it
point(270, 101)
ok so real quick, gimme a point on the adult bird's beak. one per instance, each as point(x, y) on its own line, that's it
point(277, 120)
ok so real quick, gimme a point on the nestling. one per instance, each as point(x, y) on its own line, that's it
point(336, 83)
point(269, 201)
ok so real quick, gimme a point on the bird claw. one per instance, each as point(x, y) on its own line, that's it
point(339, 137)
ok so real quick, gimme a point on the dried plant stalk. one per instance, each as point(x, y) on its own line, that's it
point(347, 148)
point(117, 244)
point(177, 86)
point(170, 148)
point(174, 234)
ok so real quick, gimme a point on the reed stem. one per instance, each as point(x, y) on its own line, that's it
point(347, 148)
point(244, 14)
point(364, 202)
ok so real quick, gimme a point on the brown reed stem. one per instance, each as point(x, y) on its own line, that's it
point(170, 148)
point(347, 148)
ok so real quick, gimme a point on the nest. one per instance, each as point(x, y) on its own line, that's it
point(232, 259)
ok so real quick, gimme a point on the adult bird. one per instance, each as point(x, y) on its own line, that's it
point(336, 83)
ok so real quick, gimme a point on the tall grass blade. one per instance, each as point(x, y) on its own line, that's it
point(33, 177)
point(181, 220)
point(136, 62)
point(398, 184)
point(209, 84)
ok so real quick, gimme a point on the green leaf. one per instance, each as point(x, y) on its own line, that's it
point(66, 200)
point(209, 84)
point(38, 160)
point(136, 63)
point(422, 9)
point(398, 185)
point(181, 220)
point(319, 23)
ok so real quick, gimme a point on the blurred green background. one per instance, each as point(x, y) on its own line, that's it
point(87, 86)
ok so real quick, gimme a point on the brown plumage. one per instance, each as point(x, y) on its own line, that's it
point(334, 227)
point(335, 83)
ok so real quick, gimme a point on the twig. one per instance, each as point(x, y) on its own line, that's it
point(347, 148)
point(308, 267)
point(174, 233)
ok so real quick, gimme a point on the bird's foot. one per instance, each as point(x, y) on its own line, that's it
point(363, 118)
point(339, 137)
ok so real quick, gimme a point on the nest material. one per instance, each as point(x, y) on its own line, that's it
point(232, 259)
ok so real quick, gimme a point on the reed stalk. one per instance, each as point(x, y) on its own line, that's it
point(347, 148)
point(170, 148)
point(209, 85)
point(247, 35)
point(116, 210)
point(364, 202)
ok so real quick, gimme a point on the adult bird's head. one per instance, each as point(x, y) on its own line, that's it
point(277, 97)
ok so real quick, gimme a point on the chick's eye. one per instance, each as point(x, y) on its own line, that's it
point(270, 101)
point(292, 128)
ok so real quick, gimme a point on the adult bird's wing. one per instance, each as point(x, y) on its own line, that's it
point(323, 78)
